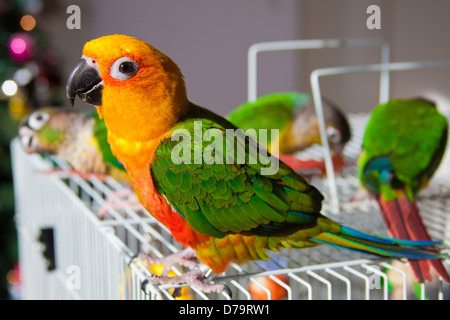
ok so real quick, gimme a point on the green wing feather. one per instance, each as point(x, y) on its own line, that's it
point(219, 198)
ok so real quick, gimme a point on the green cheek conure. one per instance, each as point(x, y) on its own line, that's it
point(403, 144)
point(77, 137)
point(294, 116)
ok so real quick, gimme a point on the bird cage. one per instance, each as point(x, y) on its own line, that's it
point(67, 252)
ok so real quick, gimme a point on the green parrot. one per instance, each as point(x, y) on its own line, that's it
point(294, 116)
point(403, 144)
point(77, 137)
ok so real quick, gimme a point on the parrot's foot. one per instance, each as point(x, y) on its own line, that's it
point(194, 278)
point(65, 173)
point(311, 167)
point(120, 200)
point(186, 258)
point(299, 164)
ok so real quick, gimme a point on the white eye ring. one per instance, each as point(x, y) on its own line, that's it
point(124, 68)
point(37, 120)
point(333, 134)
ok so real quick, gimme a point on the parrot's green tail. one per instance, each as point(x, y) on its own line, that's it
point(355, 240)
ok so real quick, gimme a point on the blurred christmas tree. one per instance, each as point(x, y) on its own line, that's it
point(29, 79)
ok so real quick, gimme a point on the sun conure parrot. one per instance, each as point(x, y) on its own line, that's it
point(294, 116)
point(403, 144)
point(225, 210)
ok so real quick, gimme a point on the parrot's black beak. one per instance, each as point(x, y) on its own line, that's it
point(86, 83)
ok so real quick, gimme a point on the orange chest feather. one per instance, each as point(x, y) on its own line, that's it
point(137, 159)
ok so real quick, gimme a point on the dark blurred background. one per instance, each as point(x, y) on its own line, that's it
point(209, 41)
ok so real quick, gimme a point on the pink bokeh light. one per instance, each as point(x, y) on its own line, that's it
point(18, 45)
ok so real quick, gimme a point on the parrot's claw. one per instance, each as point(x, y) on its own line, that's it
point(186, 258)
point(194, 278)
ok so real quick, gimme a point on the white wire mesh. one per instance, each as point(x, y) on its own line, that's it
point(92, 256)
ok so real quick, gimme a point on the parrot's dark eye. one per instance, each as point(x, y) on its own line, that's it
point(333, 134)
point(124, 68)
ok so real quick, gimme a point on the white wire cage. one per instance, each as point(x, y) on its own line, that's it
point(91, 257)
point(67, 252)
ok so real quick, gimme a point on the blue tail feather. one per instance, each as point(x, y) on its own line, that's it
point(387, 240)
point(380, 248)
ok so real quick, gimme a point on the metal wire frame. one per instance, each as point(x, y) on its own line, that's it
point(102, 250)
point(256, 48)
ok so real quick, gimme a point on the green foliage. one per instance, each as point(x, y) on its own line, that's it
point(8, 242)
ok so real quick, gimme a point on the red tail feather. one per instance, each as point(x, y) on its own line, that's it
point(297, 164)
point(403, 220)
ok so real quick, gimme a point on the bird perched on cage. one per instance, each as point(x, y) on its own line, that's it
point(224, 206)
point(294, 116)
point(78, 137)
point(403, 144)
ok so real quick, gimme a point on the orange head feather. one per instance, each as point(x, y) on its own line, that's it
point(157, 88)
point(141, 95)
